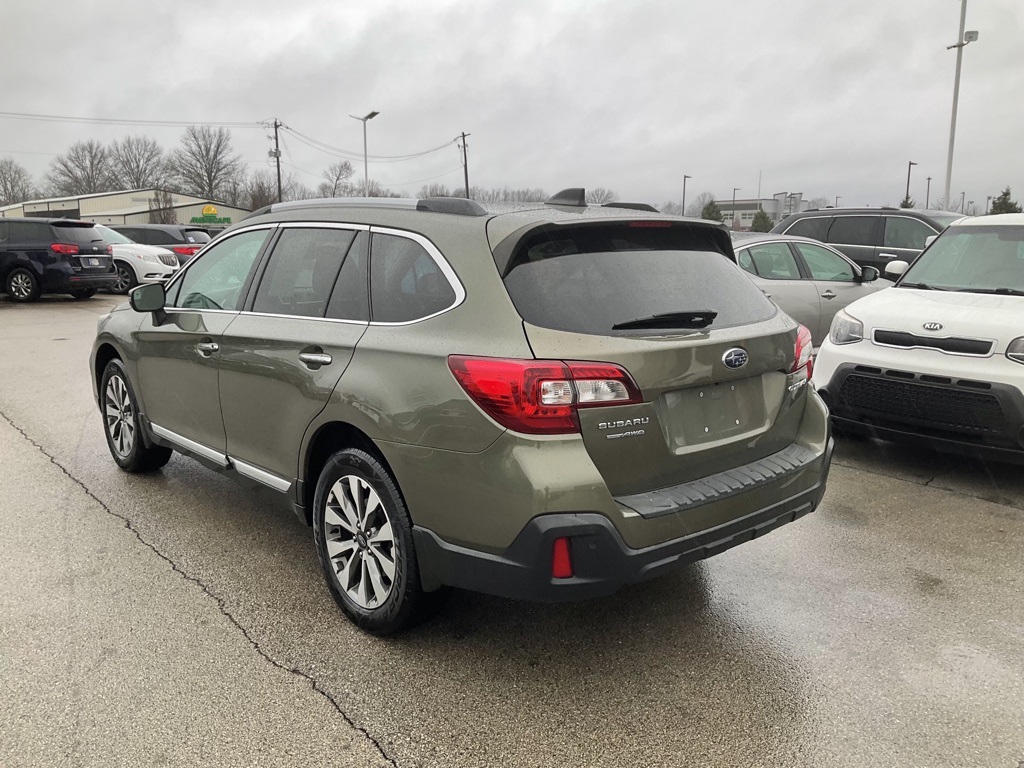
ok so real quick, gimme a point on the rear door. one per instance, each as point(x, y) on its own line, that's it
point(282, 357)
point(859, 238)
point(781, 281)
point(706, 407)
point(93, 258)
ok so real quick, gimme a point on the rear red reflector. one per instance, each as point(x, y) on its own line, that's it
point(66, 249)
point(561, 559)
point(804, 351)
point(639, 224)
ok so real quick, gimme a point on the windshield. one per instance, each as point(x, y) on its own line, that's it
point(984, 259)
point(944, 219)
point(112, 236)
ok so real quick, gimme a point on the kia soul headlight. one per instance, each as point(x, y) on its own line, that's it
point(846, 329)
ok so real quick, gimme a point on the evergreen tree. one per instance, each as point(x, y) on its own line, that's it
point(762, 222)
point(907, 202)
point(711, 211)
point(1003, 204)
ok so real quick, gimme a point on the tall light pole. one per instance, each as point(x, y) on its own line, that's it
point(962, 40)
point(683, 211)
point(988, 200)
point(838, 198)
point(734, 191)
point(366, 166)
point(962, 196)
point(910, 165)
point(928, 193)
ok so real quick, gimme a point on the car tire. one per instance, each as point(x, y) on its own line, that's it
point(84, 293)
point(126, 279)
point(363, 536)
point(122, 426)
point(21, 285)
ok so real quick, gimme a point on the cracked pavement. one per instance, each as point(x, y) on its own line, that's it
point(180, 619)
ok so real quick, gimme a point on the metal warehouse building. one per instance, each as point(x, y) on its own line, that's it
point(135, 206)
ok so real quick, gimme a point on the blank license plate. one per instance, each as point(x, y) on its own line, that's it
point(94, 262)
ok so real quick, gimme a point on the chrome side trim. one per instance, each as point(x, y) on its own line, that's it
point(305, 318)
point(190, 445)
point(324, 225)
point(261, 475)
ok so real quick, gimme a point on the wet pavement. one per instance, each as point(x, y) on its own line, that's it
point(179, 619)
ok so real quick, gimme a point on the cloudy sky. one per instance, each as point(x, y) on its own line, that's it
point(825, 97)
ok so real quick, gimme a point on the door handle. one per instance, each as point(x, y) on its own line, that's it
point(766, 294)
point(887, 256)
point(828, 295)
point(315, 359)
point(207, 348)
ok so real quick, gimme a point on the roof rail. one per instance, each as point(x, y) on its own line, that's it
point(633, 206)
point(459, 206)
point(575, 197)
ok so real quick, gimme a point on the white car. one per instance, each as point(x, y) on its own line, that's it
point(136, 263)
point(939, 356)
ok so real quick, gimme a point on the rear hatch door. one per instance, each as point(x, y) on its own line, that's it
point(93, 249)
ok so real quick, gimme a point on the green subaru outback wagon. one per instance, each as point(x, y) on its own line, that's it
point(544, 402)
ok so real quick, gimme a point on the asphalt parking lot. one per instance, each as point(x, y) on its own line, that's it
point(178, 619)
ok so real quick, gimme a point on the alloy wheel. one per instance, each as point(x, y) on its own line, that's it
point(360, 542)
point(120, 416)
point(124, 280)
point(20, 285)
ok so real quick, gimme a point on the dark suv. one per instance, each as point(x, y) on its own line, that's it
point(872, 237)
point(40, 256)
point(185, 240)
point(543, 402)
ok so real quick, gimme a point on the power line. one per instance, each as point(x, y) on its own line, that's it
point(119, 121)
point(350, 155)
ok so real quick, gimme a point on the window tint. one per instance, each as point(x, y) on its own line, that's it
point(161, 237)
point(580, 282)
point(405, 282)
point(215, 280)
point(745, 262)
point(904, 232)
point(351, 299)
point(76, 233)
point(132, 233)
point(825, 265)
point(301, 272)
point(853, 230)
point(30, 232)
point(814, 227)
point(3, 231)
point(774, 261)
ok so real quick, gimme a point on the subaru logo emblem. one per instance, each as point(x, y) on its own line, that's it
point(932, 326)
point(735, 358)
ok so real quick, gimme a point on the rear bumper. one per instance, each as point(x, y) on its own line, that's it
point(67, 283)
point(602, 562)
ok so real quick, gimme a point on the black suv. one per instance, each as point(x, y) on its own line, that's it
point(40, 256)
point(185, 240)
point(872, 237)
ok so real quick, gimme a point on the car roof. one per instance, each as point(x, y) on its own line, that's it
point(49, 220)
point(885, 210)
point(1012, 219)
point(743, 239)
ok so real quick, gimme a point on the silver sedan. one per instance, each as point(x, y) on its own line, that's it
point(810, 281)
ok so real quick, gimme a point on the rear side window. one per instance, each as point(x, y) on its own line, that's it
point(814, 227)
point(904, 232)
point(161, 237)
point(587, 278)
point(301, 272)
point(31, 232)
point(405, 282)
point(854, 230)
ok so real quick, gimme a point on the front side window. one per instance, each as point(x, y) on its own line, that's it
point(302, 270)
point(853, 230)
point(904, 232)
point(405, 282)
point(774, 261)
point(825, 265)
point(216, 279)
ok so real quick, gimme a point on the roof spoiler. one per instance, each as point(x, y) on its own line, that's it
point(633, 206)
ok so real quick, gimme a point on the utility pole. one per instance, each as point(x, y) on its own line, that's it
point(683, 211)
point(734, 191)
point(928, 193)
point(366, 164)
point(276, 154)
point(961, 41)
point(838, 198)
point(465, 161)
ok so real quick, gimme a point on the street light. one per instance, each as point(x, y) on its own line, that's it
point(838, 198)
point(683, 211)
point(366, 167)
point(962, 196)
point(928, 194)
point(910, 165)
point(988, 200)
point(962, 40)
point(734, 191)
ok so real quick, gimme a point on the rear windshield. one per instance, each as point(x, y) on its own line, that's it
point(197, 236)
point(82, 234)
point(586, 279)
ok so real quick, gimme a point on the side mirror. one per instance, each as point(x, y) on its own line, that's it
point(869, 274)
point(149, 298)
point(929, 240)
point(895, 269)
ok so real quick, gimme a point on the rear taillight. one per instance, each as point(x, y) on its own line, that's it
point(561, 559)
point(186, 250)
point(110, 250)
point(65, 249)
point(803, 355)
point(540, 397)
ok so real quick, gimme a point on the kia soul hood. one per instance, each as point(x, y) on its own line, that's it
point(971, 315)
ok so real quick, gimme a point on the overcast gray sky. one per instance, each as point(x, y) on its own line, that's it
point(825, 97)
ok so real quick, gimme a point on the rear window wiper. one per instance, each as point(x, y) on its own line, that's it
point(698, 318)
point(999, 291)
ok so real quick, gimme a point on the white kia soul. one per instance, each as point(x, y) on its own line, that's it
point(940, 355)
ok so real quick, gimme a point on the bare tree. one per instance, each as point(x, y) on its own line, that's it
point(819, 202)
point(373, 189)
point(672, 208)
point(16, 184)
point(508, 195)
point(161, 208)
point(336, 180)
point(296, 190)
point(83, 170)
point(205, 165)
point(435, 190)
point(694, 209)
point(600, 196)
point(138, 163)
point(261, 190)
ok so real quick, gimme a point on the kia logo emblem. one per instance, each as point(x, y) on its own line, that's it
point(735, 358)
point(932, 326)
